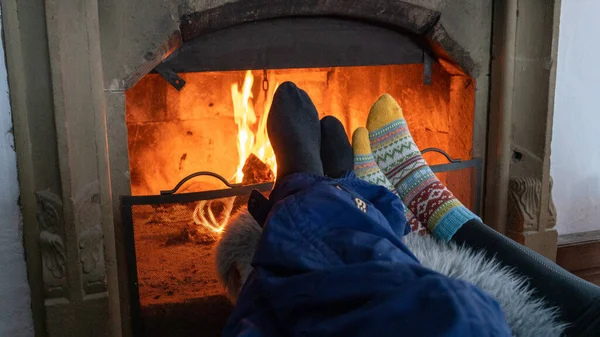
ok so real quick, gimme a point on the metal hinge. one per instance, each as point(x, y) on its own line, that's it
point(171, 76)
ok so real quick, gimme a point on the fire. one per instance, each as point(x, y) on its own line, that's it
point(248, 142)
point(245, 117)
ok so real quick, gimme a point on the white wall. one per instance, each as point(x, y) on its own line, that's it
point(575, 161)
point(15, 307)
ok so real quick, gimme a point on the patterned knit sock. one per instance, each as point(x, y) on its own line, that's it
point(400, 160)
point(366, 169)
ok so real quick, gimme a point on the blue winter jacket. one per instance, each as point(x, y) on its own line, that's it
point(331, 262)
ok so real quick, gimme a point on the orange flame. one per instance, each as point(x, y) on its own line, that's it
point(243, 112)
point(248, 143)
point(244, 116)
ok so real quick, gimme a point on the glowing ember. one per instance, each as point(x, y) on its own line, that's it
point(248, 142)
point(204, 215)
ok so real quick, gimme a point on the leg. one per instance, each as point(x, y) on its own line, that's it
point(577, 299)
point(400, 160)
point(293, 123)
point(336, 151)
point(366, 168)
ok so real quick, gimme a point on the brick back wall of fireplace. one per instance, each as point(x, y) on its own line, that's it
point(15, 311)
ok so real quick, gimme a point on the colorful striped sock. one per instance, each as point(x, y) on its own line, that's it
point(400, 160)
point(366, 169)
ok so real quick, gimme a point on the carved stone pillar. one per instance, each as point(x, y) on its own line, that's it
point(56, 87)
point(77, 86)
point(518, 188)
point(524, 208)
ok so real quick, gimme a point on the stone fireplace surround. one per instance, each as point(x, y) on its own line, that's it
point(70, 62)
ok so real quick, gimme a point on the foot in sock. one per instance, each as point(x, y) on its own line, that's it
point(294, 132)
point(336, 151)
point(400, 160)
point(366, 169)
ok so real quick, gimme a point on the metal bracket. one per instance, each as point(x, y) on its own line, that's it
point(427, 64)
point(171, 76)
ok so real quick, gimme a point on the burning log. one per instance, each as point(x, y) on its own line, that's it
point(255, 172)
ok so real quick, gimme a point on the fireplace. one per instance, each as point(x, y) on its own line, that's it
point(121, 101)
point(204, 108)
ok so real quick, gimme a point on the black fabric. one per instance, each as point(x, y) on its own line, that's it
point(295, 132)
point(336, 152)
point(259, 207)
point(577, 299)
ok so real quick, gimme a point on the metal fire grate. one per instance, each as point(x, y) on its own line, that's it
point(162, 284)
